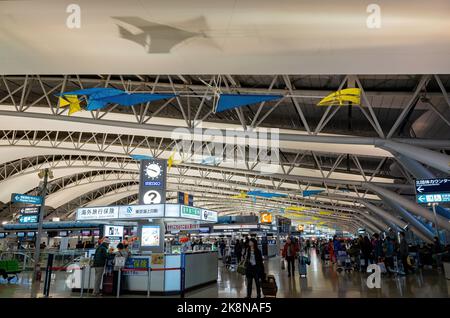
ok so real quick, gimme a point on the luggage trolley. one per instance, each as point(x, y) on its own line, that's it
point(344, 262)
point(231, 260)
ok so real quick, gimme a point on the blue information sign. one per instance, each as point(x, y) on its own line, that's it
point(433, 190)
point(24, 198)
point(31, 218)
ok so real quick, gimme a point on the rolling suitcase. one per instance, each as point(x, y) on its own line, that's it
point(269, 287)
point(108, 284)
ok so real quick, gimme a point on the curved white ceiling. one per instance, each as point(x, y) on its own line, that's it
point(116, 196)
point(228, 37)
point(61, 197)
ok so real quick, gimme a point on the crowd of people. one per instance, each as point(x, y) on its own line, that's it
point(378, 250)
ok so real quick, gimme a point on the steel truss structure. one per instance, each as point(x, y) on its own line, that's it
point(101, 142)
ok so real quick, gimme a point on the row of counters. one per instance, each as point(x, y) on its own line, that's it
point(200, 268)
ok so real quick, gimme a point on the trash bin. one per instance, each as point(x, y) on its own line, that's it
point(447, 269)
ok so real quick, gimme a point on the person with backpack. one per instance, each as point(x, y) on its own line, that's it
point(100, 258)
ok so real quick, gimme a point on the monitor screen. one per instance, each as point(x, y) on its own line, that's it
point(30, 234)
point(113, 231)
point(96, 233)
point(85, 233)
point(62, 233)
point(2, 235)
point(20, 234)
point(150, 235)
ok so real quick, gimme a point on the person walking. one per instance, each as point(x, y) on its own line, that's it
point(289, 253)
point(100, 258)
point(331, 251)
point(389, 250)
point(222, 246)
point(238, 251)
point(377, 248)
point(254, 268)
point(404, 252)
point(366, 250)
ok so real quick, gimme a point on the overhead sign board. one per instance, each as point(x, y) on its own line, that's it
point(433, 190)
point(134, 212)
point(152, 185)
point(266, 217)
point(208, 215)
point(98, 213)
point(182, 226)
point(32, 218)
point(24, 198)
point(191, 212)
point(29, 210)
point(141, 211)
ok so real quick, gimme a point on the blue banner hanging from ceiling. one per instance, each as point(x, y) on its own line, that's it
point(231, 101)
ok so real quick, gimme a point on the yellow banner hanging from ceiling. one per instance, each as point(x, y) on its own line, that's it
point(342, 97)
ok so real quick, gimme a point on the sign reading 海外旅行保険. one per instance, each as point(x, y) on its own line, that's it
point(433, 190)
point(24, 198)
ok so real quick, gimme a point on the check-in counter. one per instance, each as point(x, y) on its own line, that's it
point(165, 277)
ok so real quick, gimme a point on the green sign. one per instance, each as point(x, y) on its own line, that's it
point(190, 212)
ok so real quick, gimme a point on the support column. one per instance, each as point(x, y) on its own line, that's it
point(431, 158)
point(385, 215)
point(409, 205)
point(380, 225)
point(415, 223)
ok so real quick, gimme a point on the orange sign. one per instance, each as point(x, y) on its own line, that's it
point(300, 228)
point(266, 217)
point(186, 199)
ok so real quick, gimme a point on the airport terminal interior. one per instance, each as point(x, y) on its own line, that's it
point(141, 157)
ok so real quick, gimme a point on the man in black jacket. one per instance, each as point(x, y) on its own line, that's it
point(100, 257)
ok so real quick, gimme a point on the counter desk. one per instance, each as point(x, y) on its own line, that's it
point(165, 276)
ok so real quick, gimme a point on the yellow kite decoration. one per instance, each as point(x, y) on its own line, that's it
point(241, 195)
point(72, 101)
point(171, 161)
point(342, 97)
point(296, 208)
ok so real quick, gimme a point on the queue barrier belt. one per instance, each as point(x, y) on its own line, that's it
point(61, 268)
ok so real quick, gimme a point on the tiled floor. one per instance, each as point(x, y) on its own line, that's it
point(321, 282)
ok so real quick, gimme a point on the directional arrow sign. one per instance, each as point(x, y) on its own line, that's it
point(433, 190)
point(24, 198)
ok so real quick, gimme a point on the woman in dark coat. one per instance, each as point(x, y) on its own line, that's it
point(254, 267)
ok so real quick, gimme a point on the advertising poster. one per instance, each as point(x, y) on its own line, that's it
point(150, 235)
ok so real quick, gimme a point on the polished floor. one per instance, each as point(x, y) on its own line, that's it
point(321, 282)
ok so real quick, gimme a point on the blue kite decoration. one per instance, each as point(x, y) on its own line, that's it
point(231, 101)
point(98, 98)
point(140, 157)
point(259, 193)
point(308, 193)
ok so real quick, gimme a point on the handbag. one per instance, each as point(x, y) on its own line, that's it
point(242, 268)
point(119, 261)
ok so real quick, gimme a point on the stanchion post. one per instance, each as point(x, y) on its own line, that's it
point(82, 282)
point(48, 274)
point(89, 278)
point(118, 282)
point(182, 272)
point(149, 279)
